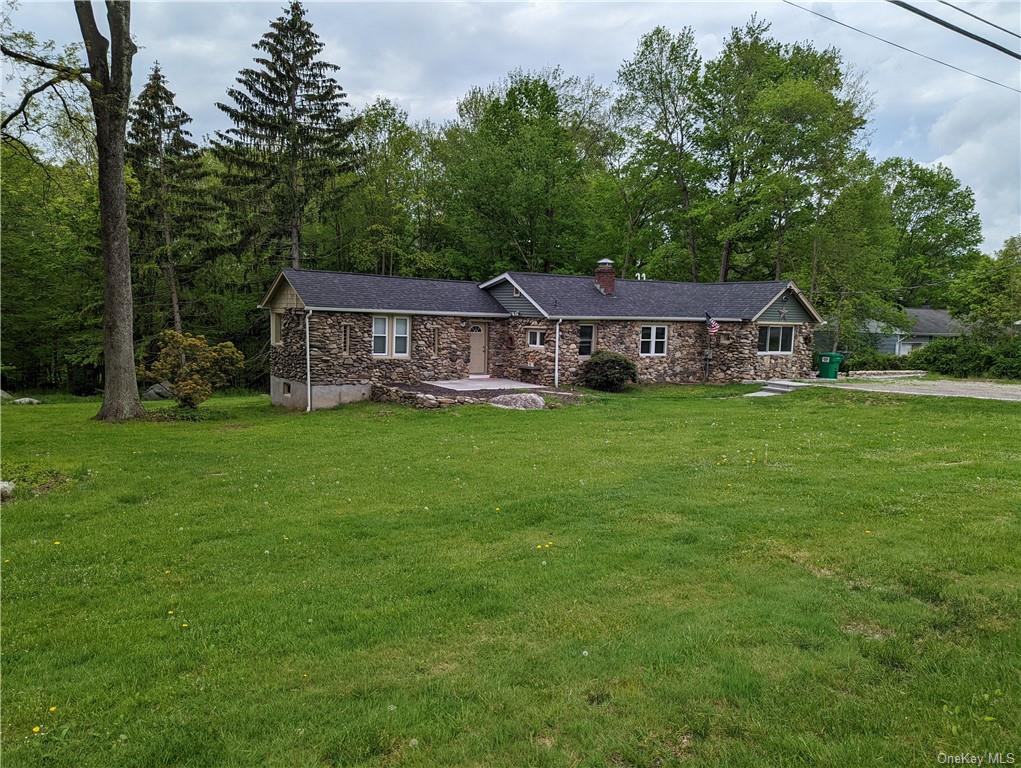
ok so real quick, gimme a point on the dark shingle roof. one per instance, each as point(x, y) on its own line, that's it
point(347, 290)
point(933, 322)
point(571, 296)
point(557, 295)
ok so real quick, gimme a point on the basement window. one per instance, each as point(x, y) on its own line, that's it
point(776, 339)
point(536, 337)
point(287, 389)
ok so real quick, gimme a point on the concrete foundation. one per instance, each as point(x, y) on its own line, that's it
point(294, 394)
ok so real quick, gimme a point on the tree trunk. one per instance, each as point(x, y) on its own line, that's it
point(728, 248)
point(296, 241)
point(110, 91)
point(175, 306)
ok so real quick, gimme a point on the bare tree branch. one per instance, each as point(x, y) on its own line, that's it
point(70, 72)
point(21, 148)
point(51, 83)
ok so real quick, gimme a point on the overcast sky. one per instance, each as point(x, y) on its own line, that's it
point(426, 55)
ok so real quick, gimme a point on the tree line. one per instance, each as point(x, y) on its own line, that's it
point(750, 165)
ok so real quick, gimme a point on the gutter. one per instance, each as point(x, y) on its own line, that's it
point(308, 364)
point(556, 358)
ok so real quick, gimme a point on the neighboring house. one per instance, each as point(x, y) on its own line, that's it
point(927, 324)
point(335, 334)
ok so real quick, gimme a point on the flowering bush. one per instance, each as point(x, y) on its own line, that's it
point(193, 367)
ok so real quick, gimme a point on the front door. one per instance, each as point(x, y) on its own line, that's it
point(479, 343)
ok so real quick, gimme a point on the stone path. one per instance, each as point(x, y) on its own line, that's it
point(984, 390)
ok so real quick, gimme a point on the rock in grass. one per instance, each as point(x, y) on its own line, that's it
point(5, 395)
point(25, 401)
point(159, 391)
point(6, 489)
point(521, 402)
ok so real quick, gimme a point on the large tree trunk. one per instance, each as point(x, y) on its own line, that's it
point(110, 91)
point(728, 249)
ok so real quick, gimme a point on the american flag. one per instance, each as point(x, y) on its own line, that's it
point(711, 324)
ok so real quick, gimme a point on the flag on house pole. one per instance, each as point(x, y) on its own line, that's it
point(711, 325)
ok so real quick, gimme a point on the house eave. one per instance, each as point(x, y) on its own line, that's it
point(800, 296)
point(429, 312)
point(522, 291)
point(273, 287)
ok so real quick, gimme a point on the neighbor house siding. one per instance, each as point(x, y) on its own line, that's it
point(795, 312)
point(504, 293)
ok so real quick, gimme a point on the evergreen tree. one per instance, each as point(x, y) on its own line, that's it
point(166, 216)
point(290, 134)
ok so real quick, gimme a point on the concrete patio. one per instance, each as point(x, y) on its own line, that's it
point(479, 384)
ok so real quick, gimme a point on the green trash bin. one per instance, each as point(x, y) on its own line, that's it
point(829, 364)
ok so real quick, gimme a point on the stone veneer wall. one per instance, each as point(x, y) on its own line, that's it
point(331, 366)
point(734, 356)
point(734, 351)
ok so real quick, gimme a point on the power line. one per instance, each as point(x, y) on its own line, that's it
point(984, 21)
point(903, 48)
point(954, 28)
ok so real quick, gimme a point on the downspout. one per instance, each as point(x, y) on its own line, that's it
point(308, 364)
point(556, 358)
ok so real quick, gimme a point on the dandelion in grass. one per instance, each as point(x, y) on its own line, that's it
point(36, 728)
point(184, 626)
point(56, 542)
point(52, 710)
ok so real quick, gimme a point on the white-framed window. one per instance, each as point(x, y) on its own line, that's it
point(380, 336)
point(276, 327)
point(516, 292)
point(402, 336)
point(536, 337)
point(776, 339)
point(653, 341)
point(586, 339)
point(391, 336)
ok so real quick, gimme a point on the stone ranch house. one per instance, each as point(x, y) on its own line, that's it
point(335, 334)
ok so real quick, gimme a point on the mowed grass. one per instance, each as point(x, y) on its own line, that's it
point(673, 575)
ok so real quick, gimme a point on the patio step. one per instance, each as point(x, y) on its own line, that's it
point(778, 387)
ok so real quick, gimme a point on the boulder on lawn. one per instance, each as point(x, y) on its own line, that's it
point(6, 489)
point(522, 402)
point(25, 401)
point(6, 395)
point(159, 391)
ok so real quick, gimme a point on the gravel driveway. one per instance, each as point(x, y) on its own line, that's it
point(985, 390)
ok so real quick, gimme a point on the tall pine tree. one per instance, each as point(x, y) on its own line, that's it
point(290, 132)
point(167, 215)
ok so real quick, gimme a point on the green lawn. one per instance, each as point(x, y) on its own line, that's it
point(677, 574)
